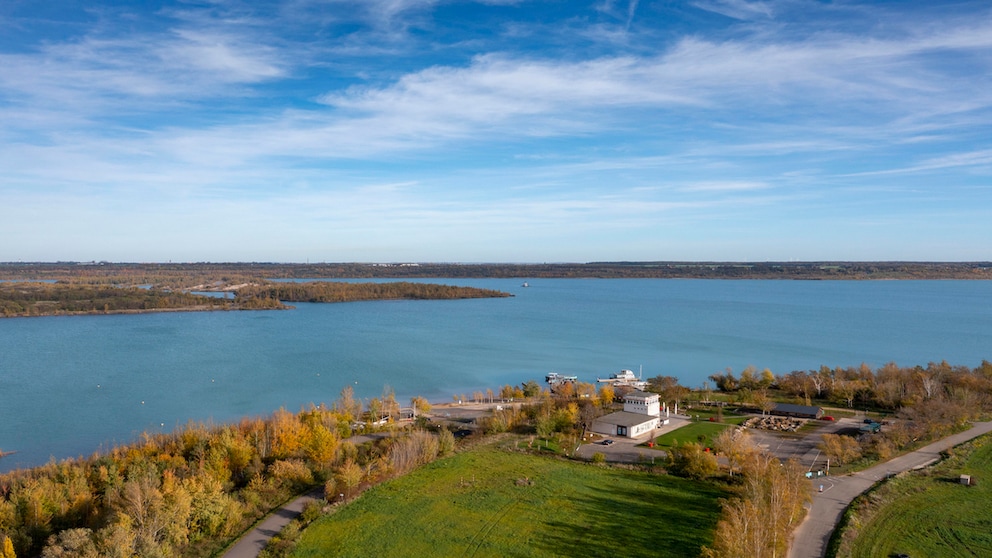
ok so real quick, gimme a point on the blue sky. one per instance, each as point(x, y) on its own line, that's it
point(495, 131)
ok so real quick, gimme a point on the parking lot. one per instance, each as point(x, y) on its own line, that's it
point(802, 445)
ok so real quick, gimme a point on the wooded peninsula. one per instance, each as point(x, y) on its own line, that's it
point(67, 297)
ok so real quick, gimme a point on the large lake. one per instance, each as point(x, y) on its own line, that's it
point(72, 385)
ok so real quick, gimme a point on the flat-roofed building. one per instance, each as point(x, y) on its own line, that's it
point(641, 414)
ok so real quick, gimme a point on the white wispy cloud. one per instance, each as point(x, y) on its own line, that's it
point(737, 9)
point(93, 77)
point(220, 110)
point(506, 93)
point(980, 159)
point(726, 186)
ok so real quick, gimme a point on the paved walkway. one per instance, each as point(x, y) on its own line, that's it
point(811, 538)
point(252, 543)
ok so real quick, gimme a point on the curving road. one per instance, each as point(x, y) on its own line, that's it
point(811, 538)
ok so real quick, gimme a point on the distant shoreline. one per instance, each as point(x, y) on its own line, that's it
point(221, 275)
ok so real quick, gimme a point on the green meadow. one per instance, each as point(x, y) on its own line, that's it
point(699, 432)
point(495, 502)
point(930, 513)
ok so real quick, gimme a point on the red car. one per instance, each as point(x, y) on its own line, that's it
point(828, 417)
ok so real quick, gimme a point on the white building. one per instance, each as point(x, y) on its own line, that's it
point(640, 415)
point(642, 403)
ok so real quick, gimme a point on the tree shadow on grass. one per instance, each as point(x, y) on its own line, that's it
point(665, 519)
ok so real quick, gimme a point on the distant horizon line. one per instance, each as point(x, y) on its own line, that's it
point(400, 263)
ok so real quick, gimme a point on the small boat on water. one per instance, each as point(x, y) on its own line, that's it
point(525, 284)
point(554, 378)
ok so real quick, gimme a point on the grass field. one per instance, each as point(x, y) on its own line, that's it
point(492, 502)
point(701, 432)
point(930, 514)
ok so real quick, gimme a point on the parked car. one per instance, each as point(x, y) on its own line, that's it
point(828, 417)
point(607, 442)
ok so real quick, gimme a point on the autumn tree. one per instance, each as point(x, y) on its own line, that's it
point(690, 461)
point(606, 395)
point(749, 378)
point(797, 383)
point(724, 382)
point(846, 390)
point(735, 445)
point(767, 379)
point(841, 449)
point(286, 433)
point(375, 409)
point(420, 405)
point(320, 445)
point(349, 476)
point(585, 390)
point(565, 390)
point(668, 388)
point(70, 543)
point(506, 392)
point(770, 505)
point(390, 407)
point(531, 388)
point(346, 404)
point(141, 506)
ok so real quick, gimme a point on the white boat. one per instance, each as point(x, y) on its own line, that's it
point(555, 378)
point(624, 378)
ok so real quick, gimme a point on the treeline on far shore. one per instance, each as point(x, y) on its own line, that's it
point(191, 275)
point(45, 299)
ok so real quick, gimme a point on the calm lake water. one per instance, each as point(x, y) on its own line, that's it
point(72, 385)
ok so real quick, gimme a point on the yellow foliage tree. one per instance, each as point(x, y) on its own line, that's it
point(321, 445)
point(606, 395)
point(349, 476)
point(287, 431)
